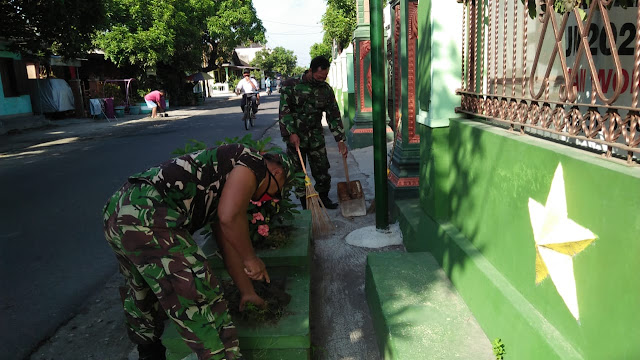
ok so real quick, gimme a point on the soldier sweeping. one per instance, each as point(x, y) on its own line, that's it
point(302, 102)
point(149, 222)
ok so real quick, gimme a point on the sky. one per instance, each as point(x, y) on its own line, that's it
point(293, 24)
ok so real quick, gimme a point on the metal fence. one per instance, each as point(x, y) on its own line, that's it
point(570, 77)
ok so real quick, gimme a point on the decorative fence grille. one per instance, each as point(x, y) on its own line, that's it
point(571, 77)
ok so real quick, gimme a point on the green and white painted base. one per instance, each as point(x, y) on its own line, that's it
point(416, 312)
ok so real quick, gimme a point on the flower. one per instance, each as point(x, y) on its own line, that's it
point(256, 203)
point(257, 217)
point(263, 230)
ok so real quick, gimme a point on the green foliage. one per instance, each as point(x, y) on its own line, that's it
point(191, 146)
point(247, 140)
point(232, 23)
point(279, 60)
point(114, 91)
point(145, 32)
point(498, 349)
point(172, 36)
point(299, 70)
point(57, 27)
point(233, 81)
point(339, 22)
point(318, 49)
point(256, 75)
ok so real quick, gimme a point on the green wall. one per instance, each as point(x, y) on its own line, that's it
point(17, 105)
point(476, 181)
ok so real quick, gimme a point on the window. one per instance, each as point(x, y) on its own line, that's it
point(32, 71)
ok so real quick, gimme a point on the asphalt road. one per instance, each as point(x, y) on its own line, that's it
point(52, 249)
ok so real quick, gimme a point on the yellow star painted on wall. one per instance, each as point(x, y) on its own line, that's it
point(558, 239)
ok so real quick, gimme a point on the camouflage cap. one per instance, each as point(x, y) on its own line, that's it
point(285, 161)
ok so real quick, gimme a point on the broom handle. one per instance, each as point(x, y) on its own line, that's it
point(346, 169)
point(301, 161)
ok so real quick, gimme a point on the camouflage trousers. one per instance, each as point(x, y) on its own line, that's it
point(313, 151)
point(166, 275)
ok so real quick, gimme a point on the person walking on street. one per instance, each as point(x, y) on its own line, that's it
point(249, 87)
point(267, 84)
point(302, 103)
point(149, 224)
point(154, 100)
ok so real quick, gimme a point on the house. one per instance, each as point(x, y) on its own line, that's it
point(14, 93)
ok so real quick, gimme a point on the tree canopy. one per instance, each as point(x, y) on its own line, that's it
point(43, 28)
point(318, 49)
point(339, 22)
point(177, 32)
point(278, 60)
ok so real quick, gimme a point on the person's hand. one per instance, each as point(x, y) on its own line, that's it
point(255, 269)
point(342, 147)
point(252, 298)
point(294, 140)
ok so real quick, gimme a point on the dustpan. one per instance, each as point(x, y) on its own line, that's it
point(351, 196)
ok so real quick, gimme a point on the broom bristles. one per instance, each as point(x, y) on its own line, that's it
point(321, 223)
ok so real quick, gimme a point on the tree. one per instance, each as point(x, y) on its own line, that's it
point(176, 32)
point(299, 70)
point(43, 28)
point(175, 36)
point(339, 22)
point(233, 23)
point(279, 60)
point(318, 49)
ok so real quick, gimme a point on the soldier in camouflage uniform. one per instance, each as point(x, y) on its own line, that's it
point(302, 102)
point(149, 223)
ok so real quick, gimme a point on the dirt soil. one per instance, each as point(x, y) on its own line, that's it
point(96, 332)
point(273, 294)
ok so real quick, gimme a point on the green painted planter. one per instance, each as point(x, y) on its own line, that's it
point(289, 338)
point(134, 110)
point(119, 110)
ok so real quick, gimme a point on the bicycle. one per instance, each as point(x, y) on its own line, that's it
point(249, 115)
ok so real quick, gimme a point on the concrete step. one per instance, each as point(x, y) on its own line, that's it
point(288, 339)
point(416, 311)
point(295, 254)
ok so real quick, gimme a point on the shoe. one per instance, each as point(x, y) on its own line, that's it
point(327, 202)
point(153, 351)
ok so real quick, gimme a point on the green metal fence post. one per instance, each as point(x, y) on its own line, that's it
point(379, 100)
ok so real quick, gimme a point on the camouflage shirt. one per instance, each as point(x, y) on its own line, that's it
point(192, 183)
point(301, 106)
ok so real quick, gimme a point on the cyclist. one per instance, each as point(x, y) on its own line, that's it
point(249, 87)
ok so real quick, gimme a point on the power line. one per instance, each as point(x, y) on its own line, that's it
point(276, 22)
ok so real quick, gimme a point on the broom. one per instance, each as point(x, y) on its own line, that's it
point(321, 222)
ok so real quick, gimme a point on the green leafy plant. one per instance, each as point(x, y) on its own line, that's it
point(498, 349)
point(114, 91)
point(191, 146)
